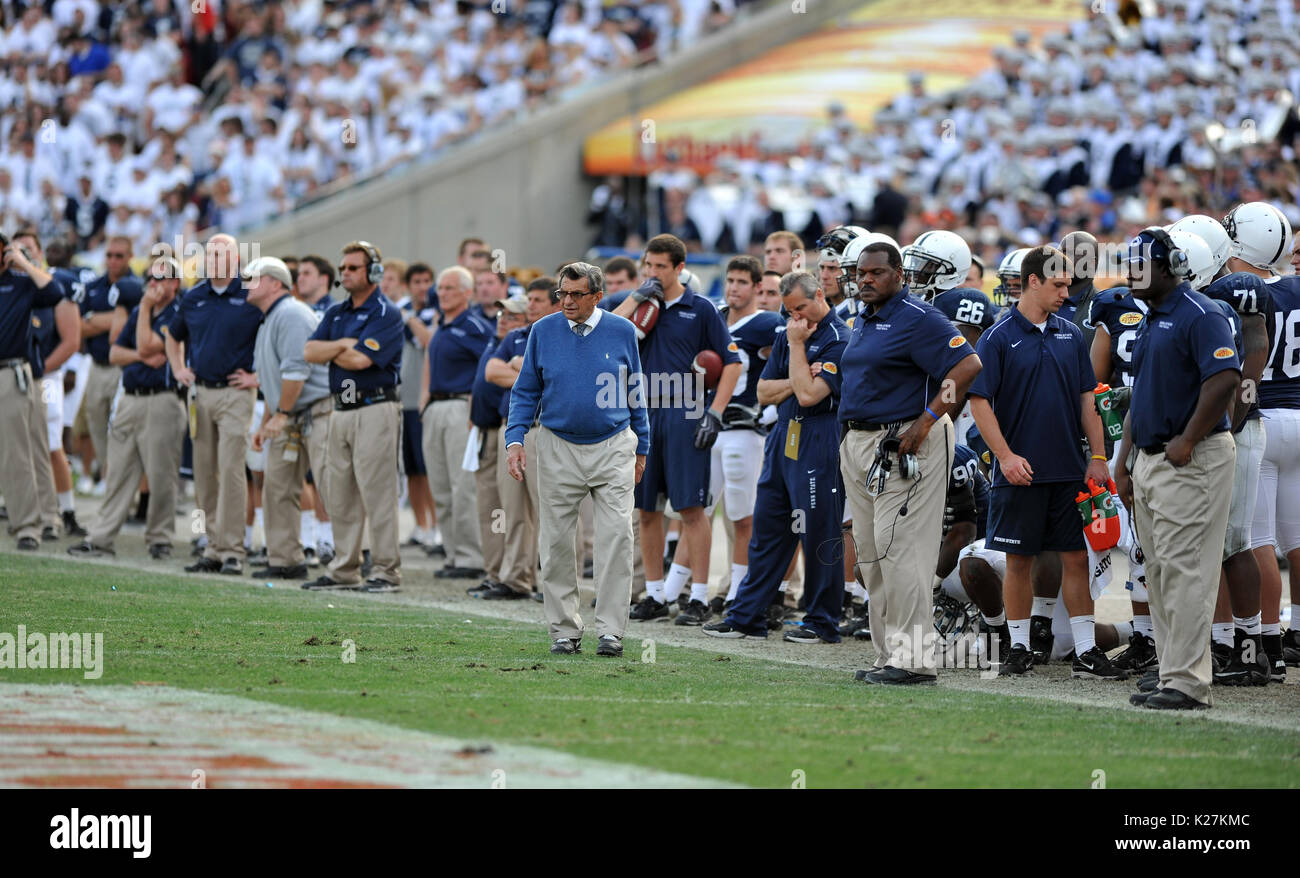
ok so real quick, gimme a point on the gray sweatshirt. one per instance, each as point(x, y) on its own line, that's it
point(278, 354)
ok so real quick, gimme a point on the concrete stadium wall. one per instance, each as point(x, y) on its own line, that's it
point(522, 187)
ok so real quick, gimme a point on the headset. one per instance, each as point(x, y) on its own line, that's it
point(1177, 261)
point(882, 466)
point(374, 263)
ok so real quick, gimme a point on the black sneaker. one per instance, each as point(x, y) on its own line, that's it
point(854, 624)
point(451, 571)
point(648, 610)
point(324, 583)
point(1139, 655)
point(160, 552)
point(1238, 672)
point(1291, 648)
point(380, 586)
point(483, 586)
point(776, 617)
point(726, 632)
point(1172, 699)
point(435, 551)
point(204, 565)
point(309, 557)
point(565, 646)
point(501, 592)
point(232, 567)
point(86, 549)
point(257, 557)
point(1094, 665)
point(1278, 674)
point(695, 613)
point(802, 634)
point(295, 571)
point(1003, 633)
point(1040, 639)
point(1018, 662)
point(1220, 655)
point(717, 606)
point(610, 646)
point(70, 525)
point(1149, 681)
point(49, 533)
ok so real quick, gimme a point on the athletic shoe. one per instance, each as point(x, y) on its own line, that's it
point(49, 533)
point(854, 624)
point(726, 632)
point(1093, 665)
point(611, 646)
point(776, 617)
point(717, 606)
point(451, 571)
point(1291, 648)
point(1019, 661)
point(892, 676)
point(204, 565)
point(1139, 699)
point(500, 592)
point(309, 557)
point(695, 613)
point(565, 646)
point(648, 610)
point(380, 586)
point(232, 567)
point(1220, 655)
point(1172, 699)
point(1003, 633)
point(296, 571)
point(1279, 669)
point(863, 633)
point(802, 634)
point(324, 583)
point(1240, 673)
point(1139, 655)
point(483, 586)
point(435, 551)
point(1040, 639)
point(87, 549)
point(1150, 681)
point(261, 556)
point(160, 552)
point(28, 544)
point(70, 525)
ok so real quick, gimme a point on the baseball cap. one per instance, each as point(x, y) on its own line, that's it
point(514, 304)
point(269, 266)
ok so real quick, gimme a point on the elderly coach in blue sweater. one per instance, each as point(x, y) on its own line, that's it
point(580, 385)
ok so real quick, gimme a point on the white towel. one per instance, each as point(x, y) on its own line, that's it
point(469, 463)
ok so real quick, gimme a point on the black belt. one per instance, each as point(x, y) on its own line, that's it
point(443, 397)
point(1158, 448)
point(370, 397)
point(215, 385)
point(13, 363)
point(147, 391)
point(868, 425)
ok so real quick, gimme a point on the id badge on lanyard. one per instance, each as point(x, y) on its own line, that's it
point(792, 439)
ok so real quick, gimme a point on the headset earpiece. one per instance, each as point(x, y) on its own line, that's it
point(1177, 262)
point(374, 265)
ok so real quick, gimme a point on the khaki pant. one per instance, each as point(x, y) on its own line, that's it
point(223, 416)
point(520, 502)
point(361, 486)
point(101, 387)
point(446, 429)
point(18, 410)
point(567, 472)
point(491, 513)
point(1182, 516)
point(282, 482)
point(47, 494)
point(146, 436)
point(899, 584)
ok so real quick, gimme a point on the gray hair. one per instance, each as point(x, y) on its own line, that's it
point(803, 281)
point(579, 270)
point(460, 272)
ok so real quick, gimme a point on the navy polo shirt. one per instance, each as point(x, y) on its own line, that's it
point(455, 350)
point(826, 345)
point(218, 330)
point(18, 297)
point(1183, 341)
point(137, 375)
point(485, 405)
point(755, 336)
point(377, 326)
point(1279, 388)
point(897, 359)
point(1034, 380)
point(105, 295)
point(513, 345)
point(323, 304)
point(690, 325)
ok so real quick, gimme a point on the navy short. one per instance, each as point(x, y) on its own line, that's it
point(412, 444)
point(674, 467)
point(1036, 518)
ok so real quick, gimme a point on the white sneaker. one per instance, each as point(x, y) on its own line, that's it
point(100, 489)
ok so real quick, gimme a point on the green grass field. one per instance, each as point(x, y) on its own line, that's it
point(692, 711)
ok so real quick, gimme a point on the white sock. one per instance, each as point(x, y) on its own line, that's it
point(1019, 629)
point(785, 586)
point(307, 530)
point(995, 621)
point(700, 592)
point(435, 536)
point(738, 572)
point(1251, 625)
point(1271, 628)
point(1221, 632)
point(1044, 607)
point(675, 581)
point(325, 533)
point(248, 536)
point(67, 502)
point(1124, 631)
point(654, 588)
point(1142, 625)
point(1085, 635)
point(259, 521)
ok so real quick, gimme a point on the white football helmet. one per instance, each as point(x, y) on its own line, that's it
point(1200, 261)
point(1008, 288)
point(849, 260)
point(1259, 232)
point(1209, 230)
point(935, 262)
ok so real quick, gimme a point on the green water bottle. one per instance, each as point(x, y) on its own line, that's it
point(1110, 419)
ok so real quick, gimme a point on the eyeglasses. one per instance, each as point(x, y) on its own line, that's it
point(561, 295)
point(116, 255)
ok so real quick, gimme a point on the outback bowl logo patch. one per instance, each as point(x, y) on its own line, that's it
point(1130, 318)
point(830, 367)
point(1224, 353)
point(957, 341)
point(372, 344)
point(734, 348)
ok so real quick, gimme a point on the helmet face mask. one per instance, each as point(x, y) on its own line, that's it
point(922, 271)
point(1009, 284)
point(936, 261)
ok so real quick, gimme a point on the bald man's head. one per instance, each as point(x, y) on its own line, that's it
point(1081, 248)
point(222, 259)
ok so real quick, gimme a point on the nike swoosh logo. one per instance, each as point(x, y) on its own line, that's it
point(1013, 344)
point(811, 471)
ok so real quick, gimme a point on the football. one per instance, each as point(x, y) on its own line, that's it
point(646, 316)
point(708, 364)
